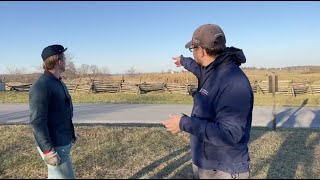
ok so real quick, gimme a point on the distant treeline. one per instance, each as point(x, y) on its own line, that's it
point(290, 68)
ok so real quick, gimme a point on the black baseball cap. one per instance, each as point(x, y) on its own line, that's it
point(206, 36)
point(55, 49)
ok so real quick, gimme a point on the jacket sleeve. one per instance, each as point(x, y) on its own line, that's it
point(39, 104)
point(71, 109)
point(229, 126)
point(191, 65)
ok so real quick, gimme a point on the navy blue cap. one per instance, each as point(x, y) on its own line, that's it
point(52, 50)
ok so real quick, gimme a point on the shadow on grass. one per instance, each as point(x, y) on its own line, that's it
point(257, 132)
point(184, 173)
point(13, 157)
point(291, 120)
point(292, 152)
point(306, 155)
point(295, 150)
point(168, 169)
point(5, 154)
point(120, 124)
point(172, 167)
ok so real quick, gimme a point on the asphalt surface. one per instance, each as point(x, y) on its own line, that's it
point(156, 114)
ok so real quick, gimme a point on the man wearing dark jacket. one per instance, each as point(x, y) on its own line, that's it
point(220, 121)
point(51, 113)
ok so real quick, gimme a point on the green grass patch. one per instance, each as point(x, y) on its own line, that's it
point(120, 151)
point(163, 98)
point(14, 97)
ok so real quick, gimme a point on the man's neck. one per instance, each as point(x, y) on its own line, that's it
point(208, 60)
point(56, 73)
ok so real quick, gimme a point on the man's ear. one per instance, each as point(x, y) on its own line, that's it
point(203, 52)
point(59, 62)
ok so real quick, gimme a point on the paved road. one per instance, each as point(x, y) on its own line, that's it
point(156, 114)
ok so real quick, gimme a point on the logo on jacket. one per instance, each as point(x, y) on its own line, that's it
point(204, 92)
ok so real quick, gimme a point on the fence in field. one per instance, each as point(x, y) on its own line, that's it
point(286, 87)
point(20, 87)
point(140, 88)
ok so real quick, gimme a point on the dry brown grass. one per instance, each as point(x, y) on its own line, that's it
point(295, 76)
point(149, 151)
point(253, 75)
point(184, 77)
point(187, 77)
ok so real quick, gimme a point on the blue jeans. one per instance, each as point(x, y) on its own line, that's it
point(65, 169)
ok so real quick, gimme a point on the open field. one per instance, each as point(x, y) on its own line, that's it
point(295, 76)
point(164, 98)
point(185, 77)
point(180, 77)
point(149, 151)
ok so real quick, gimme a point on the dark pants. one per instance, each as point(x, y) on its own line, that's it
point(199, 173)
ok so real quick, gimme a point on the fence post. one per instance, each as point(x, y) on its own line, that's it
point(77, 85)
point(122, 79)
point(293, 92)
point(273, 88)
point(120, 86)
point(310, 88)
point(139, 90)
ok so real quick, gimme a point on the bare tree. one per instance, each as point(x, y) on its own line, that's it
point(16, 73)
point(13, 70)
point(131, 71)
point(70, 67)
point(83, 69)
point(104, 70)
point(94, 69)
point(69, 56)
point(71, 71)
point(38, 68)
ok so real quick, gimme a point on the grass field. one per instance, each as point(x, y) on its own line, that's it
point(149, 151)
point(253, 75)
point(163, 98)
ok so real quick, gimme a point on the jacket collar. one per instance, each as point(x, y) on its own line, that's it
point(52, 76)
point(231, 54)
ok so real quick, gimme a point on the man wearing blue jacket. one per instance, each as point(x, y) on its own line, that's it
point(51, 112)
point(220, 121)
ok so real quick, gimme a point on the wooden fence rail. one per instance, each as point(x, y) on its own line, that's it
point(285, 87)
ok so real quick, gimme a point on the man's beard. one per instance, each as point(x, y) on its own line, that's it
point(198, 62)
point(62, 70)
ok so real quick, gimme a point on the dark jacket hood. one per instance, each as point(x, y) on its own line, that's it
point(231, 54)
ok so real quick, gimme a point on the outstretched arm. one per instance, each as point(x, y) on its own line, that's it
point(189, 64)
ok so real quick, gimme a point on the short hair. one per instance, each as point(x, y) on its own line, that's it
point(218, 48)
point(51, 61)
